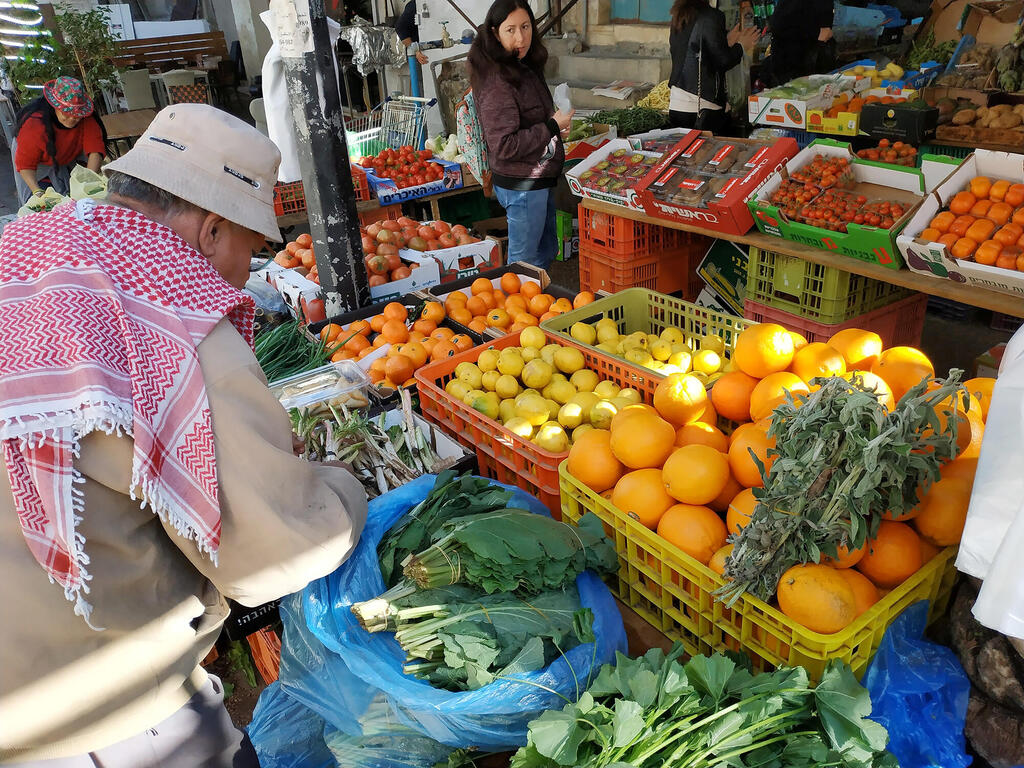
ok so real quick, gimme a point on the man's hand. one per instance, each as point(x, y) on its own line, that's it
point(298, 445)
point(824, 34)
point(421, 57)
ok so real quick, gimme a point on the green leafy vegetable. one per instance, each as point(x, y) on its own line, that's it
point(631, 121)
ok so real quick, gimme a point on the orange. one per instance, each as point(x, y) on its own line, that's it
point(944, 511)
point(433, 310)
point(799, 341)
point(970, 427)
point(341, 354)
point(699, 433)
point(873, 383)
point(416, 352)
point(540, 304)
point(770, 393)
point(442, 333)
point(378, 365)
point(380, 341)
point(865, 594)
point(377, 322)
point(510, 283)
point(816, 360)
point(499, 298)
point(562, 305)
point(753, 438)
point(741, 509)
point(680, 398)
point(424, 326)
point(763, 349)
point(515, 304)
point(394, 331)
point(696, 474)
point(476, 306)
point(845, 557)
point(981, 388)
point(717, 561)
point(395, 311)
point(642, 440)
point(481, 285)
point(399, 368)
point(818, 597)
point(709, 415)
point(642, 496)
point(721, 502)
point(548, 315)
point(376, 376)
point(478, 324)
point(462, 342)
point(529, 289)
point(461, 315)
point(893, 555)
point(902, 368)
point(730, 395)
point(629, 411)
point(525, 318)
point(592, 462)
point(695, 529)
point(330, 332)
point(358, 343)
point(928, 551)
point(582, 299)
point(965, 468)
point(498, 318)
point(456, 297)
point(442, 350)
point(487, 297)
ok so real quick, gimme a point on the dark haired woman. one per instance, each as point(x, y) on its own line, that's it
point(52, 134)
point(522, 129)
point(702, 52)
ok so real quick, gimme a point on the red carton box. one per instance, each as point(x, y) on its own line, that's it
point(712, 179)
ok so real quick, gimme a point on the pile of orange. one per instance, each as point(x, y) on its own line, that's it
point(672, 469)
point(983, 223)
point(508, 304)
point(411, 342)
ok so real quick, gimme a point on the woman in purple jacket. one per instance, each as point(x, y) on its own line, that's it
point(522, 129)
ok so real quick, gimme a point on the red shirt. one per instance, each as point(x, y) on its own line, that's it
point(84, 139)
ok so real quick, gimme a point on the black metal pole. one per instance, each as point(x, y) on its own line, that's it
point(305, 46)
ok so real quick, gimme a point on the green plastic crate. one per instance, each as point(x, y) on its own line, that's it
point(942, 149)
point(813, 291)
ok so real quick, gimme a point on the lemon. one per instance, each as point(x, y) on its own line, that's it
point(456, 389)
point(510, 362)
point(553, 408)
point(584, 380)
point(707, 361)
point(506, 386)
point(607, 330)
point(660, 350)
point(631, 395)
point(532, 408)
point(488, 360)
point(558, 376)
point(673, 336)
point(659, 366)
point(552, 438)
point(680, 361)
point(547, 353)
point(578, 432)
point(700, 376)
point(570, 415)
point(730, 366)
point(487, 405)
point(520, 426)
point(586, 401)
point(639, 357)
point(583, 333)
point(532, 336)
point(609, 348)
point(561, 392)
point(712, 342)
point(536, 374)
point(489, 380)
point(472, 395)
point(602, 413)
point(506, 410)
point(715, 376)
point(568, 360)
point(606, 390)
point(529, 353)
point(636, 340)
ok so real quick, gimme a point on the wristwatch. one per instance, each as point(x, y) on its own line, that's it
point(38, 193)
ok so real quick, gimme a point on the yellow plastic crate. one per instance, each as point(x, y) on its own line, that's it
point(674, 593)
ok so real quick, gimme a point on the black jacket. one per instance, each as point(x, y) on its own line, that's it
point(794, 26)
point(704, 39)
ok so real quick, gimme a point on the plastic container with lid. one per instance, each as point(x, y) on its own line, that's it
point(337, 384)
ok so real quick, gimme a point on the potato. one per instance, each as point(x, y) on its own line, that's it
point(1019, 110)
point(1001, 109)
point(965, 117)
point(982, 112)
point(1008, 120)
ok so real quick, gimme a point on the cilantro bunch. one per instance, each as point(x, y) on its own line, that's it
point(655, 711)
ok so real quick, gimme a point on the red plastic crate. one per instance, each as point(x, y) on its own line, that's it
point(672, 271)
point(359, 183)
point(501, 454)
point(618, 236)
point(899, 323)
point(389, 212)
point(289, 198)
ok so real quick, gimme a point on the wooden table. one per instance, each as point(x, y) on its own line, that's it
point(126, 127)
point(965, 294)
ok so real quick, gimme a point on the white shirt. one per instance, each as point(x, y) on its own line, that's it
point(684, 101)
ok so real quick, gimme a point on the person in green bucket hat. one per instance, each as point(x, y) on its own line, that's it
point(53, 134)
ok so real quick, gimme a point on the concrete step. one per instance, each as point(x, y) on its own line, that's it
point(608, 63)
point(582, 98)
point(652, 35)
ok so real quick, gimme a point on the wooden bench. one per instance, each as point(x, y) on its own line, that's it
point(161, 53)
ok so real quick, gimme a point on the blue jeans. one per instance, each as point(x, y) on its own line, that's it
point(531, 225)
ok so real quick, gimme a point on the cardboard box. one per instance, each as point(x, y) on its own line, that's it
point(844, 124)
point(899, 122)
point(303, 297)
point(724, 270)
point(580, 189)
point(988, 21)
point(792, 113)
point(426, 275)
point(387, 190)
point(730, 214)
point(710, 300)
point(874, 180)
point(462, 260)
point(568, 232)
point(934, 258)
point(580, 150)
point(660, 140)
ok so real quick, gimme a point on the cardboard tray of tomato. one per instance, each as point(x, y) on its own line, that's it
point(461, 254)
point(778, 208)
point(438, 176)
point(303, 297)
point(610, 173)
point(936, 259)
point(723, 209)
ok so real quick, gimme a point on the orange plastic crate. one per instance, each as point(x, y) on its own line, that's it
point(899, 324)
point(502, 455)
point(387, 212)
point(672, 271)
point(619, 236)
point(289, 198)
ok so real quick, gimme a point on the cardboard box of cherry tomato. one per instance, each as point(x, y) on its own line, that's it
point(827, 198)
point(396, 175)
point(971, 228)
point(891, 152)
point(611, 173)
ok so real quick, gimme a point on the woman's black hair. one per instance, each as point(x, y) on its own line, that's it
point(44, 110)
point(684, 12)
point(487, 53)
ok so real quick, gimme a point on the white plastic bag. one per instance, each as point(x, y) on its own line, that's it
point(86, 183)
point(562, 99)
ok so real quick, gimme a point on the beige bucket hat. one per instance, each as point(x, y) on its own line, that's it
point(210, 159)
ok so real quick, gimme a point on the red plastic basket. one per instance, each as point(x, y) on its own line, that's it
point(899, 323)
point(673, 271)
point(501, 454)
point(289, 198)
point(359, 183)
point(387, 212)
point(618, 236)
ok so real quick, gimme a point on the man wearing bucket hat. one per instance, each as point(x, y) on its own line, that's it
point(54, 133)
point(127, 378)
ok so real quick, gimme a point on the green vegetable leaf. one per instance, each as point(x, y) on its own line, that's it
point(558, 735)
point(843, 706)
point(710, 675)
point(628, 722)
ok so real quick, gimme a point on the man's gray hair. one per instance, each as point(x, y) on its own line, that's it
point(132, 188)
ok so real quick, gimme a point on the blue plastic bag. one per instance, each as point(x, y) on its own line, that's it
point(919, 692)
point(337, 669)
point(285, 734)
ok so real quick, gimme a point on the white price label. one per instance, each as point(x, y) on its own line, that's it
point(294, 30)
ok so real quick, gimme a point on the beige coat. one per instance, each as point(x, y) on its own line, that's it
point(66, 689)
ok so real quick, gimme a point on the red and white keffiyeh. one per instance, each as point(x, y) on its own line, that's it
point(101, 311)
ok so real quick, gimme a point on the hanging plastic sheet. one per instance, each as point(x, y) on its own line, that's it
point(373, 48)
